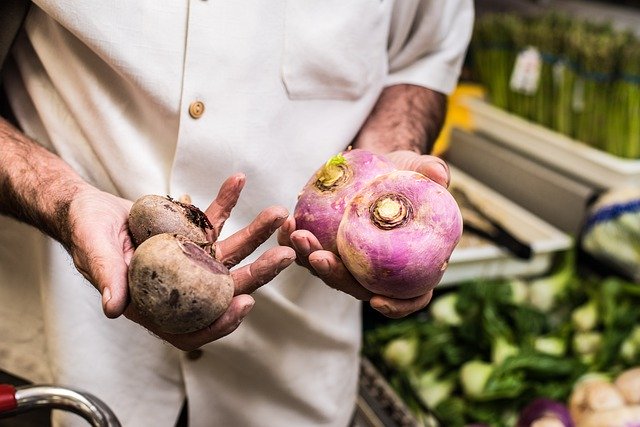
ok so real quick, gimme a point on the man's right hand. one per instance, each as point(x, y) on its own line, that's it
point(101, 249)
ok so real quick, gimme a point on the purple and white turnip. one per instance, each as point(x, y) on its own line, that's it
point(394, 230)
point(324, 198)
point(397, 234)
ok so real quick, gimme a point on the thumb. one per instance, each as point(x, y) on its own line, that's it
point(109, 273)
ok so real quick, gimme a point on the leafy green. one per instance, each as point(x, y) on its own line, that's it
point(503, 350)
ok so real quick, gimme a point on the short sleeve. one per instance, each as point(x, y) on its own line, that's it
point(428, 41)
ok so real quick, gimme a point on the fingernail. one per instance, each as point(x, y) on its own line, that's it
point(384, 309)
point(447, 172)
point(246, 309)
point(288, 226)
point(277, 223)
point(106, 296)
point(285, 263)
point(322, 267)
point(303, 246)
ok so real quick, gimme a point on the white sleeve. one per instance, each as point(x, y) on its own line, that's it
point(428, 40)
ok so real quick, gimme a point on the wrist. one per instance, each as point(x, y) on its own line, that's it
point(406, 117)
point(36, 186)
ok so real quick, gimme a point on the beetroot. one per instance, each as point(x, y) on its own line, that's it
point(397, 234)
point(153, 214)
point(177, 285)
point(323, 199)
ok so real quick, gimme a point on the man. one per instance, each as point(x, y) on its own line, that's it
point(133, 98)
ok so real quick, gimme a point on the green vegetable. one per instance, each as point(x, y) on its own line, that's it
point(503, 351)
point(554, 346)
point(432, 388)
point(545, 292)
point(443, 309)
point(474, 376)
point(400, 353)
point(588, 85)
point(519, 291)
point(587, 343)
point(585, 317)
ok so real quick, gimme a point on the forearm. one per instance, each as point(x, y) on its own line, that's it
point(36, 186)
point(406, 117)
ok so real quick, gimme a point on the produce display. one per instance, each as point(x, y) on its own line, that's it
point(394, 230)
point(576, 77)
point(174, 281)
point(487, 351)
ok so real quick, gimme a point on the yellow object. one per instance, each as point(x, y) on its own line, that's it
point(458, 115)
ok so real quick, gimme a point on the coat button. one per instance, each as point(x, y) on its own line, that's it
point(196, 109)
point(194, 354)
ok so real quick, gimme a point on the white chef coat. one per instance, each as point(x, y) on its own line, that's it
point(285, 84)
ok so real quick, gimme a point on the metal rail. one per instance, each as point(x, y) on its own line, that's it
point(15, 400)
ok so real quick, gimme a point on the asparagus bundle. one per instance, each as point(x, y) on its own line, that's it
point(521, 96)
point(624, 123)
point(494, 55)
point(585, 81)
point(548, 35)
point(595, 49)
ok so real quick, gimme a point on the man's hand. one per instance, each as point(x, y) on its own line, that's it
point(329, 267)
point(404, 123)
point(101, 249)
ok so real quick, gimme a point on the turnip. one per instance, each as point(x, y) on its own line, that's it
point(323, 199)
point(397, 234)
point(153, 214)
point(177, 285)
point(543, 412)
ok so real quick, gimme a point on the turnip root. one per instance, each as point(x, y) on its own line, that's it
point(397, 234)
point(177, 285)
point(323, 199)
point(628, 382)
point(152, 214)
point(594, 395)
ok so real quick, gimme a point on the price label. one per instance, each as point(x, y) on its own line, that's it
point(526, 71)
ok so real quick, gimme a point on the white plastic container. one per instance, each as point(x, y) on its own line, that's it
point(476, 258)
point(590, 165)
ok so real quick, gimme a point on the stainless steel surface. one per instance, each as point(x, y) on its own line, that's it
point(549, 194)
point(89, 407)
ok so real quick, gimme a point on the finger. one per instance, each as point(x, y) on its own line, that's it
point(250, 277)
point(220, 209)
point(436, 169)
point(332, 271)
point(106, 268)
point(432, 167)
point(238, 246)
point(304, 242)
point(222, 326)
point(397, 308)
point(285, 230)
